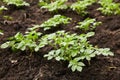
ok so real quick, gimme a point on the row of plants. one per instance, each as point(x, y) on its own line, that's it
point(108, 7)
point(17, 3)
point(66, 47)
point(69, 47)
point(74, 48)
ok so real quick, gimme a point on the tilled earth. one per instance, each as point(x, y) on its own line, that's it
point(20, 66)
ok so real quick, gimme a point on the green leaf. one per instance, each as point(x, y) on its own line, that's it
point(20, 45)
point(90, 34)
point(58, 58)
point(37, 48)
point(81, 64)
point(23, 48)
point(79, 68)
point(5, 45)
point(74, 68)
point(57, 52)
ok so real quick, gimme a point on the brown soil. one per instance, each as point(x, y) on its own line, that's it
point(19, 66)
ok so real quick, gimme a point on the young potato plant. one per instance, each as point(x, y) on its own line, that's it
point(88, 24)
point(55, 21)
point(108, 7)
point(73, 48)
point(23, 42)
point(2, 8)
point(54, 5)
point(81, 6)
point(17, 3)
point(31, 40)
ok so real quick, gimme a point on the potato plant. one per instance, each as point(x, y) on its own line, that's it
point(73, 48)
point(23, 42)
point(17, 3)
point(54, 5)
point(108, 7)
point(55, 21)
point(81, 5)
point(88, 24)
point(67, 47)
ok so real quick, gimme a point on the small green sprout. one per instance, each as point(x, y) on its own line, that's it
point(88, 24)
point(54, 6)
point(55, 21)
point(17, 3)
point(81, 6)
point(108, 7)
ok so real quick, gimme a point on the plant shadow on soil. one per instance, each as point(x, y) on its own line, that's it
point(18, 66)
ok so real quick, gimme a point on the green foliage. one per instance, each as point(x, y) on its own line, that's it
point(88, 24)
point(53, 6)
point(23, 42)
point(6, 17)
point(73, 48)
point(1, 33)
point(65, 46)
point(68, 47)
point(81, 6)
point(17, 3)
point(2, 8)
point(55, 21)
point(109, 7)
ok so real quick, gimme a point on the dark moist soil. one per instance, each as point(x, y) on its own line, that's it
point(20, 66)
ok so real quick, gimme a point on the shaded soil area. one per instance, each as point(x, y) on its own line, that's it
point(20, 66)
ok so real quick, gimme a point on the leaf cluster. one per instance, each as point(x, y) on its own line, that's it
point(17, 3)
point(81, 6)
point(73, 48)
point(53, 5)
point(66, 47)
point(108, 7)
point(23, 42)
point(55, 21)
point(88, 24)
